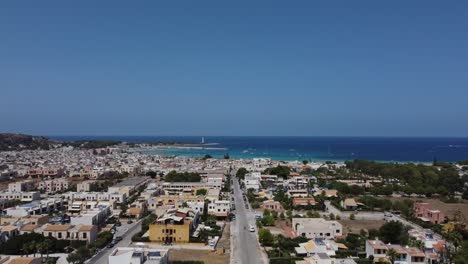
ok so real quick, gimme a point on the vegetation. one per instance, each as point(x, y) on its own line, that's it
point(80, 255)
point(207, 156)
point(280, 171)
point(241, 172)
point(138, 237)
point(93, 144)
point(152, 174)
point(373, 203)
point(102, 240)
point(32, 243)
point(20, 141)
point(394, 232)
point(174, 176)
point(265, 237)
point(411, 178)
point(201, 192)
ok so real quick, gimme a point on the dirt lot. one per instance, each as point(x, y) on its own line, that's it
point(207, 256)
point(225, 241)
point(355, 226)
point(448, 209)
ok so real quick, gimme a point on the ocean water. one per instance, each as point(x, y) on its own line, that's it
point(311, 148)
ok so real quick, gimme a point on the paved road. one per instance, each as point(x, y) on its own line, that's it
point(126, 231)
point(245, 246)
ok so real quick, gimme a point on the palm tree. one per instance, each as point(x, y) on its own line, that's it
point(41, 247)
point(392, 254)
point(25, 249)
point(32, 247)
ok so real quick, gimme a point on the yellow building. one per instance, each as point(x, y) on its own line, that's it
point(175, 226)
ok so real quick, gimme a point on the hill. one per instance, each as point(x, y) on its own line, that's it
point(20, 141)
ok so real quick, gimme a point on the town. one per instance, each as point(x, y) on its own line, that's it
point(116, 204)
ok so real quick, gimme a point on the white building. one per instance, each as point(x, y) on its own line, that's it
point(138, 255)
point(94, 216)
point(35, 208)
point(20, 186)
point(220, 208)
point(317, 228)
point(22, 196)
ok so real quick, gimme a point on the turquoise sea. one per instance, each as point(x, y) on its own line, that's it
point(388, 149)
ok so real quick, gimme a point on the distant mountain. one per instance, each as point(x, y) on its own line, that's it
point(20, 141)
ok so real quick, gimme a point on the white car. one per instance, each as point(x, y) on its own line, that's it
point(251, 228)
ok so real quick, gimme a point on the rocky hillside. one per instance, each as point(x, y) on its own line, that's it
point(20, 141)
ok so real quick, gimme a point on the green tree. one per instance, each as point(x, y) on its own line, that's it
point(392, 254)
point(174, 176)
point(201, 192)
point(289, 213)
point(265, 237)
point(207, 156)
point(241, 172)
point(393, 232)
point(281, 215)
point(152, 174)
point(80, 255)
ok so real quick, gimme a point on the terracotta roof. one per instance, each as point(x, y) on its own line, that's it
point(57, 227)
point(28, 227)
point(134, 211)
point(8, 228)
point(85, 228)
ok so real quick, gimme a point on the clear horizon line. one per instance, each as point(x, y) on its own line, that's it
point(252, 136)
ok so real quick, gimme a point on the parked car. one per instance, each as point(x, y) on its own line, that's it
point(118, 238)
point(251, 228)
point(129, 222)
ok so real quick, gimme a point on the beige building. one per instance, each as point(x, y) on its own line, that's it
point(71, 232)
point(54, 185)
point(86, 186)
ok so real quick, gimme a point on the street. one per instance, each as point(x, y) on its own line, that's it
point(126, 231)
point(245, 246)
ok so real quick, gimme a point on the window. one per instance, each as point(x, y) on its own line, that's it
point(174, 231)
point(85, 235)
point(59, 235)
point(337, 231)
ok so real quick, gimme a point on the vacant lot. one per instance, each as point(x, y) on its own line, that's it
point(207, 256)
point(448, 209)
point(355, 226)
point(225, 240)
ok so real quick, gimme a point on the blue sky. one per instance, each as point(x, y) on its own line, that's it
point(350, 68)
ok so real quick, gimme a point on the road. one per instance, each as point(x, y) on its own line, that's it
point(126, 231)
point(244, 244)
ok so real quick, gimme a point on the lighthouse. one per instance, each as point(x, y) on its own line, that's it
point(203, 140)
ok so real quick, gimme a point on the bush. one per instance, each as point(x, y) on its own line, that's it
point(174, 176)
point(265, 237)
point(103, 239)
